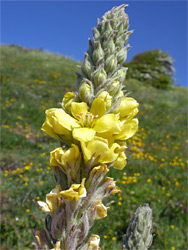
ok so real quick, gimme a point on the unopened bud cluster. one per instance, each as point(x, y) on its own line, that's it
point(94, 125)
point(102, 68)
point(139, 232)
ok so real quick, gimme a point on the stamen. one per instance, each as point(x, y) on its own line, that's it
point(87, 119)
point(79, 116)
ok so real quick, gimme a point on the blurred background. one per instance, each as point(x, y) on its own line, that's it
point(41, 45)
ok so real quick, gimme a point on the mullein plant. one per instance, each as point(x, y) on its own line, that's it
point(92, 126)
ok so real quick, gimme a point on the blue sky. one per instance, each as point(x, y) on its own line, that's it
point(64, 27)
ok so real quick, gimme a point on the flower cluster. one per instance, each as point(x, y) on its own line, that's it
point(92, 126)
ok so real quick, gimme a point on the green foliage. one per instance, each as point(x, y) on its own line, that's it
point(156, 171)
point(152, 67)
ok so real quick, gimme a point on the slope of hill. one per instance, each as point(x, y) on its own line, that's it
point(33, 81)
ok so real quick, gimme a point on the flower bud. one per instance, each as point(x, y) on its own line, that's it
point(115, 83)
point(122, 54)
point(96, 34)
point(114, 88)
point(100, 210)
point(99, 76)
point(121, 73)
point(87, 66)
point(139, 231)
point(106, 97)
point(106, 30)
point(120, 41)
point(121, 27)
point(67, 100)
point(127, 36)
point(110, 63)
point(90, 49)
point(85, 92)
point(109, 45)
point(98, 52)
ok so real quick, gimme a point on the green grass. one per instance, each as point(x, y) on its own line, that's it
point(33, 81)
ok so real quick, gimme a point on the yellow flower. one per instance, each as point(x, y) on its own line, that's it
point(120, 162)
point(93, 242)
point(67, 100)
point(128, 129)
point(128, 108)
point(58, 122)
point(84, 125)
point(85, 91)
point(100, 210)
point(98, 147)
point(65, 158)
point(75, 192)
point(53, 201)
point(94, 121)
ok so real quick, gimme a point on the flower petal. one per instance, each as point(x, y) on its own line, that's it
point(55, 156)
point(44, 207)
point(106, 123)
point(128, 130)
point(77, 108)
point(99, 147)
point(53, 201)
point(127, 106)
point(98, 107)
point(120, 163)
point(83, 134)
point(63, 120)
point(75, 192)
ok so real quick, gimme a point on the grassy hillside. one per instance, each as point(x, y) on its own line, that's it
point(33, 81)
